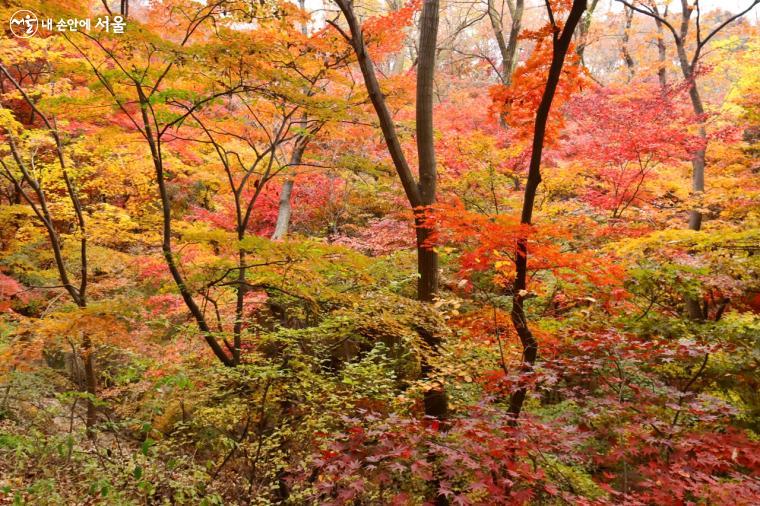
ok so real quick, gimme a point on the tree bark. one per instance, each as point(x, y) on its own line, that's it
point(285, 208)
point(422, 194)
point(693, 308)
point(585, 26)
point(698, 159)
point(662, 73)
point(627, 58)
point(427, 258)
point(507, 48)
point(561, 44)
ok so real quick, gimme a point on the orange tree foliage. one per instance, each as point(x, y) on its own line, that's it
point(518, 102)
point(629, 402)
point(487, 244)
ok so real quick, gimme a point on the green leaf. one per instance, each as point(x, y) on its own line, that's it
point(146, 446)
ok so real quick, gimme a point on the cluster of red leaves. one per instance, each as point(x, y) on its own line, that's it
point(661, 439)
point(9, 288)
point(475, 460)
point(616, 124)
point(151, 270)
point(310, 198)
point(643, 436)
point(479, 459)
point(380, 237)
point(625, 132)
point(711, 466)
point(166, 304)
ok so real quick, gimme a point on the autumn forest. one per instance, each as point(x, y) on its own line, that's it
point(379, 252)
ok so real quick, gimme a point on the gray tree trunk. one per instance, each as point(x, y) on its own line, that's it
point(507, 48)
point(627, 58)
point(698, 159)
point(285, 208)
point(584, 27)
point(662, 73)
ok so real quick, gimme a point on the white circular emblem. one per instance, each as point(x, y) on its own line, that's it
point(24, 23)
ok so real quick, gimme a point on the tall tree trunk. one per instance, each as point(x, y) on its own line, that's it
point(693, 307)
point(427, 263)
point(427, 258)
point(285, 207)
point(561, 44)
point(698, 159)
point(584, 28)
point(42, 211)
point(627, 58)
point(507, 48)
point(420, 194)
point(662, 56)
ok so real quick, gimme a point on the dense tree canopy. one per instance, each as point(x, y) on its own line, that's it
point(379, 253)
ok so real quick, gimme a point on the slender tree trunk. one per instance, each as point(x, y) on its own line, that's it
point(698, 159)
point(91, 384)
point(166, 233)
point(627, 58)
point(428, 282)
point(427, 258)
point(561, 45)
point(584, 28)
point(507, 48)
point(693, 308)
point(285, 208)
point(40, 208)
point(662, 55)
point(241, 289)
point(427, 265)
